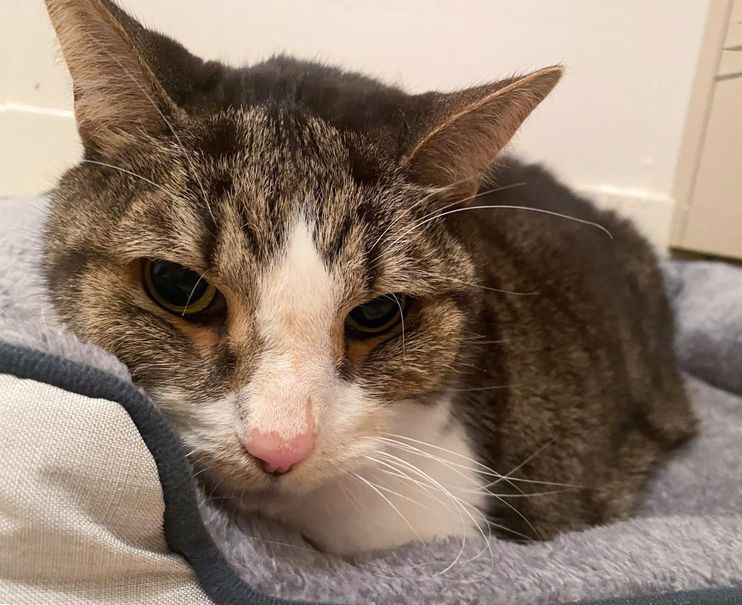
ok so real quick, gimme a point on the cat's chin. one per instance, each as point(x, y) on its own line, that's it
point(344, 516)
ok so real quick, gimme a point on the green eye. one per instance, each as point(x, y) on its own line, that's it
point(177, 289)
point(378, 315)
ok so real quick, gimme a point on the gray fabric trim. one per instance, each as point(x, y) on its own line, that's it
point(184, 529)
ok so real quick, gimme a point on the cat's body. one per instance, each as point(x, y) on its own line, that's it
point(525, 341)
point(589, 355)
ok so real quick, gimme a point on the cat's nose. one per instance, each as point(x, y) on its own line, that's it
point(276, 454)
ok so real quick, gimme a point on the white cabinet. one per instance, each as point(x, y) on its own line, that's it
point(709, 180)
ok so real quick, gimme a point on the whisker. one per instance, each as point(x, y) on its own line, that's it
point(534, 494)
point(397, 473)
point(441, 214)
point(482, 287)
point(213, 490)
point(450, 205)
point(433, 191)
point(479, 488)
point(197, 473)
point(390, 503)
point(401, 317)
point(187, 158)
point(527, 460)
point(188, 302)
point(484, 469)
point(443, 490)
point(492, 388)
point(473, 367)
point(347, 493)
point(314, 551)
point(515, 532)
point(498, 341)
point(430, 456)
point(581, 221)
point(406, 212)
point(403, 496)
point(134, 174)
point(458, 501)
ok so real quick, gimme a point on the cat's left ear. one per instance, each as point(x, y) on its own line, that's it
point(459, 135)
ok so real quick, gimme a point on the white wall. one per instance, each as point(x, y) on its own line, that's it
point(613, 126)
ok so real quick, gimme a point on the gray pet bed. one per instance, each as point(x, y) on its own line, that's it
point(686, 537)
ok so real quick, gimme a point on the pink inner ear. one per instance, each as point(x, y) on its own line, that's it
point(276, 454)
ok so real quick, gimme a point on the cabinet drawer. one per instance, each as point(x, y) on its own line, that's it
point(733, 40)
point(736, 15)
point(731, 63)
point(731, 56)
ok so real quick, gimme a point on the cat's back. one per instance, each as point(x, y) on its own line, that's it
point(584, 273)
point(552, 237)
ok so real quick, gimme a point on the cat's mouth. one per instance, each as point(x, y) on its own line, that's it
point(245, 477)
point(242, 482)
point(255, 494)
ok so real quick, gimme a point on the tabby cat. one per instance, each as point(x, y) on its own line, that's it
point(361, 318)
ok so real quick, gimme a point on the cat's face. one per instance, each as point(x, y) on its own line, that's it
point(328, 302)
point(293, 240)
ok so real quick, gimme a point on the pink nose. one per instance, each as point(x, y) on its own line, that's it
point(275, 454)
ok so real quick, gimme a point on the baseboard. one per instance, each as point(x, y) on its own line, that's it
point(38, 145)
point(651, 212)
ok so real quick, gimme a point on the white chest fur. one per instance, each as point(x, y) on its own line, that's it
point(421, 483)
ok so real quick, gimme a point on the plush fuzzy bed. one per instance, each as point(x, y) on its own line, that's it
point(97, 502)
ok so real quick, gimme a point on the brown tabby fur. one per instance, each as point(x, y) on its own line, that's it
point(205, 165)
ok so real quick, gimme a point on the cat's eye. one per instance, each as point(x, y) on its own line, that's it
point(377, 316)
point(178, 289)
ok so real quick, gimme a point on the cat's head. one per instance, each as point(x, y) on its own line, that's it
point(265, 248)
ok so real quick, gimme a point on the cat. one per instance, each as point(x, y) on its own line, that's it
point(361, 316)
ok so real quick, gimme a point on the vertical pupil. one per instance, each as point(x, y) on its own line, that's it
point(177, 284)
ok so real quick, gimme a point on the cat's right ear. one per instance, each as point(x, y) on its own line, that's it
point(117, 94)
